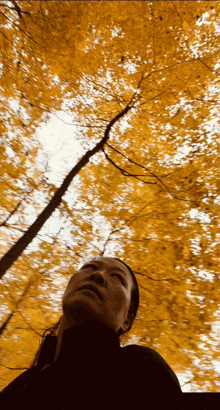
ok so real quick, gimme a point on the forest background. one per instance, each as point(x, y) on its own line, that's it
point(110, 146)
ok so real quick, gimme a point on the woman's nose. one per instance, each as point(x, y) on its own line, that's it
point(97, 277)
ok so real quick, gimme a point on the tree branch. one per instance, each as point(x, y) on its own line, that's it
point(10, 257)
point(126, 173)
point(156, 280)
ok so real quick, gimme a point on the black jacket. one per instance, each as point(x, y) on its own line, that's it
point(92, 372)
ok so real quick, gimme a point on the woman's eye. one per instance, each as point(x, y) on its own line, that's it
point(90, 266)
point(119, 276)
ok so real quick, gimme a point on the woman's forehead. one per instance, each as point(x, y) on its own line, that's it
point(111, 263)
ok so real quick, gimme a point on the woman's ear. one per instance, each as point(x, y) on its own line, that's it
point(127, 323)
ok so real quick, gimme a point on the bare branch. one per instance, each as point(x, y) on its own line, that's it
point(156, 280)
point(126, 173)
point(174, 65)
point(18, 9)
point(28, 325)
point(6, 37)
point(189, 381)
point(12, 213)
point(19, 28)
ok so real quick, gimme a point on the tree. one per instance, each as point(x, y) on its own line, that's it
point(154, 186)
point(8, 259)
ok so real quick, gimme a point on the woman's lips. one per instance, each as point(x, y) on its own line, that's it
point(92, 288)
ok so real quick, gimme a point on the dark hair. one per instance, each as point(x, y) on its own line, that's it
point(135, 296)
point(45, 353)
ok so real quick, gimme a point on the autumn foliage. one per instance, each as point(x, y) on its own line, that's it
point(138, 80)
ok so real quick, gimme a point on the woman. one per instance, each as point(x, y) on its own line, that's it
point(85, 366)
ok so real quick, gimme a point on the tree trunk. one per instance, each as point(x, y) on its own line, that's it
point(10, 316)
point(4, 325)
point(16, 250)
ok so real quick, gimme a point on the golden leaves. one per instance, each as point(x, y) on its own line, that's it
point(163, 215)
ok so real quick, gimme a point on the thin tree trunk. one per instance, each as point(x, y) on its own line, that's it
point(16, 250)
point(5, 324)
point(10, 316)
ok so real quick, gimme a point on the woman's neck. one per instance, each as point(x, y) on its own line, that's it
point(87, 338)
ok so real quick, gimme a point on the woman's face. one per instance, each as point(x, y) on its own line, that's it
point(108, 298)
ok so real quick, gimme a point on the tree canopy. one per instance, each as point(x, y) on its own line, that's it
point(139, 84)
